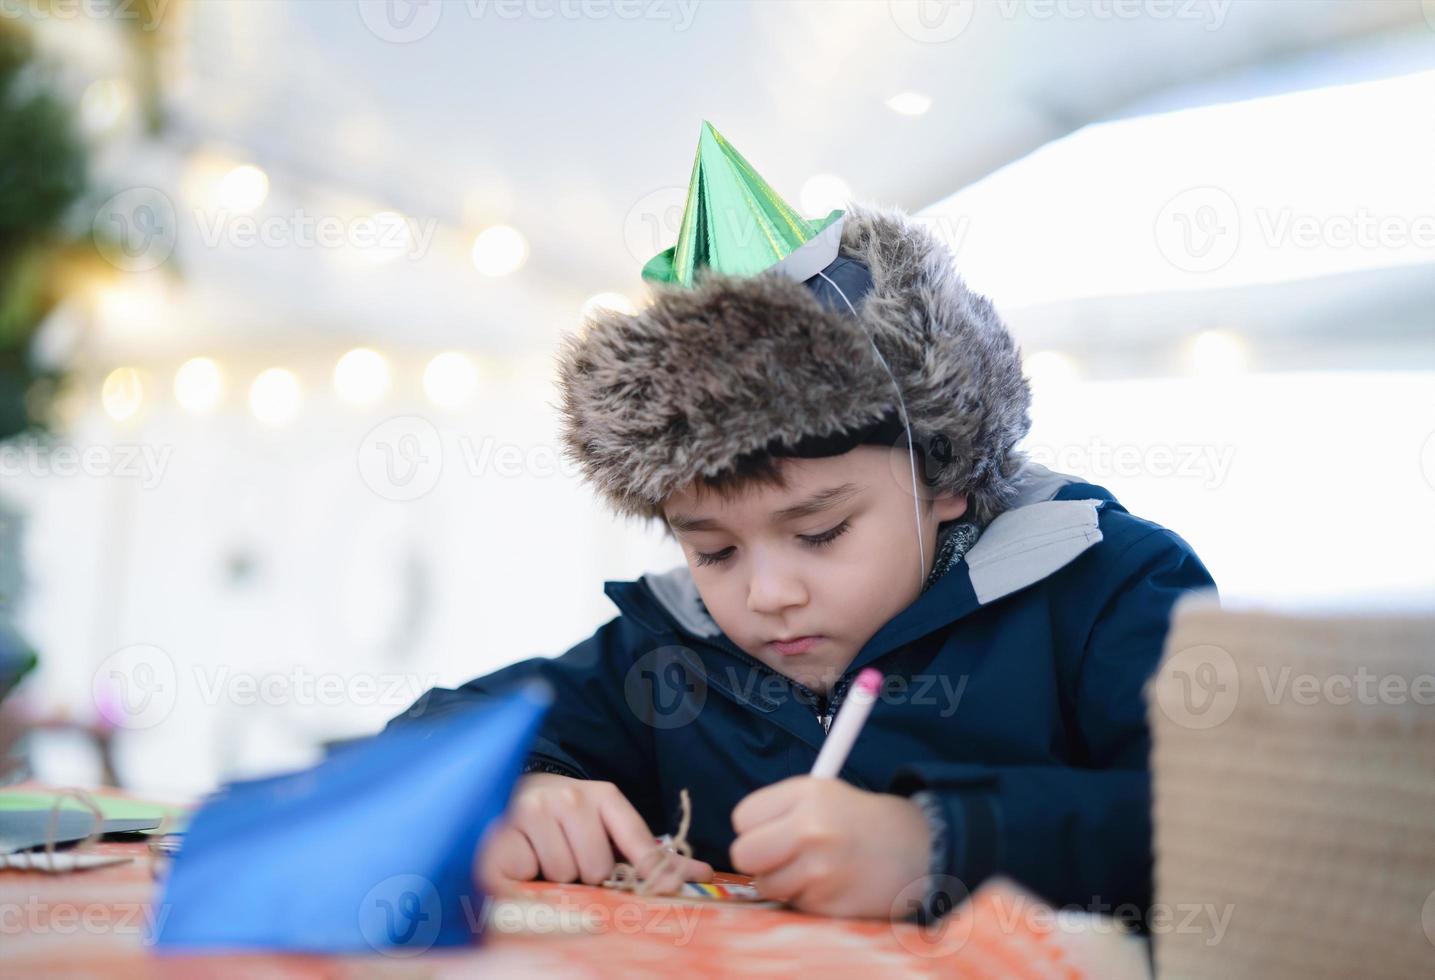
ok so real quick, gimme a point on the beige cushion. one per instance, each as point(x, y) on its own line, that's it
point(1293, 767)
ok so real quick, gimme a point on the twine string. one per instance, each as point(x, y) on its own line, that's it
point(668, 856)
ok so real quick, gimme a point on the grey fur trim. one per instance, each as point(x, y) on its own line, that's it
point(738, 365)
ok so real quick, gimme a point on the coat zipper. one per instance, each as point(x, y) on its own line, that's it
point(823, 707)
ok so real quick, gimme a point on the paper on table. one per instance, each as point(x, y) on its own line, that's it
point(24, 829)
point(60, 861)
point(111, 807)
point(370, 850)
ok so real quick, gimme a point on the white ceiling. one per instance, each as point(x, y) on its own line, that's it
point(579, 131)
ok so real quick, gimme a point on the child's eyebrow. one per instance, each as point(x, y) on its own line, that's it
point(820, 501)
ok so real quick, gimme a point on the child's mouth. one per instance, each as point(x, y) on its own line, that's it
point(791, 648)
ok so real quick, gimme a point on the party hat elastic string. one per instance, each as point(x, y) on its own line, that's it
point(901, 407)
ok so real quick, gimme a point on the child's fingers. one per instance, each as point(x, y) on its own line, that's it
point(555, 857)
point(787, 882)
point(588, 841)
point(505, 856)
point(765, 848)
point(626, 827)
point(630, 833)
point(765, 804)
point(666, 872)
point(695, 870)
point(664, 875)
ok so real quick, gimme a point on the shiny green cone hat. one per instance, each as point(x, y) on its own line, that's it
point(736, 224)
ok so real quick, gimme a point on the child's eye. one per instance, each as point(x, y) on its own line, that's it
point(716, 558)
point(814, 540)
point(826, 537)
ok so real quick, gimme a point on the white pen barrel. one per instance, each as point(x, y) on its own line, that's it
point(845, 729)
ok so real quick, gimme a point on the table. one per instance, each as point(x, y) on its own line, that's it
point(97, 923)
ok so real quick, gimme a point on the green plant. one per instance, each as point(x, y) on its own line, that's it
point(42, 174)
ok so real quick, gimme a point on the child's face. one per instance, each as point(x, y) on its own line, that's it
point(837, 569)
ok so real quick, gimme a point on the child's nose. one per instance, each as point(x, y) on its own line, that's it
point(773, 587)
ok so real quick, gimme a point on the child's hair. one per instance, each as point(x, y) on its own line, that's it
point(764, 469)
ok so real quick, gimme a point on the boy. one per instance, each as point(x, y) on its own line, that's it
point(825, 417)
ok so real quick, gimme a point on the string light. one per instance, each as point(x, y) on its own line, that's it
point(361, 377)
point(198, 385)
point(275, 396)
point(244, 188)
point(499, 250)
point(122, 393)
point(450, 380)
point(104, 103)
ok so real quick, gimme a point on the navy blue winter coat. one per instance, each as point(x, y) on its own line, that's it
point(1013, 693)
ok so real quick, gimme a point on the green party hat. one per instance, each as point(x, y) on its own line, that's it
point(736, 224)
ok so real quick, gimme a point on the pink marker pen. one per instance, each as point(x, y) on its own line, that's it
point(848, 724)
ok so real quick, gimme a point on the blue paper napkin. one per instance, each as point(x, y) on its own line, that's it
point(370, 850)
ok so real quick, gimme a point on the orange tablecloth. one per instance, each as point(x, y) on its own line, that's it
point(96, 924)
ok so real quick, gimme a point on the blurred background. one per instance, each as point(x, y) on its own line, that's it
point(280, 286)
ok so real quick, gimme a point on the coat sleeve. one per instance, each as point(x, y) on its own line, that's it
point(590, 732)
point(1075, 834)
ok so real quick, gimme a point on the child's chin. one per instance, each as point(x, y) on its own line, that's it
point(815, 671)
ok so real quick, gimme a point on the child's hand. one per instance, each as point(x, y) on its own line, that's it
point(567, 829)
point(824, 846)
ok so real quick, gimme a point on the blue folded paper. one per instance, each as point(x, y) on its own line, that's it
point(370, 850)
